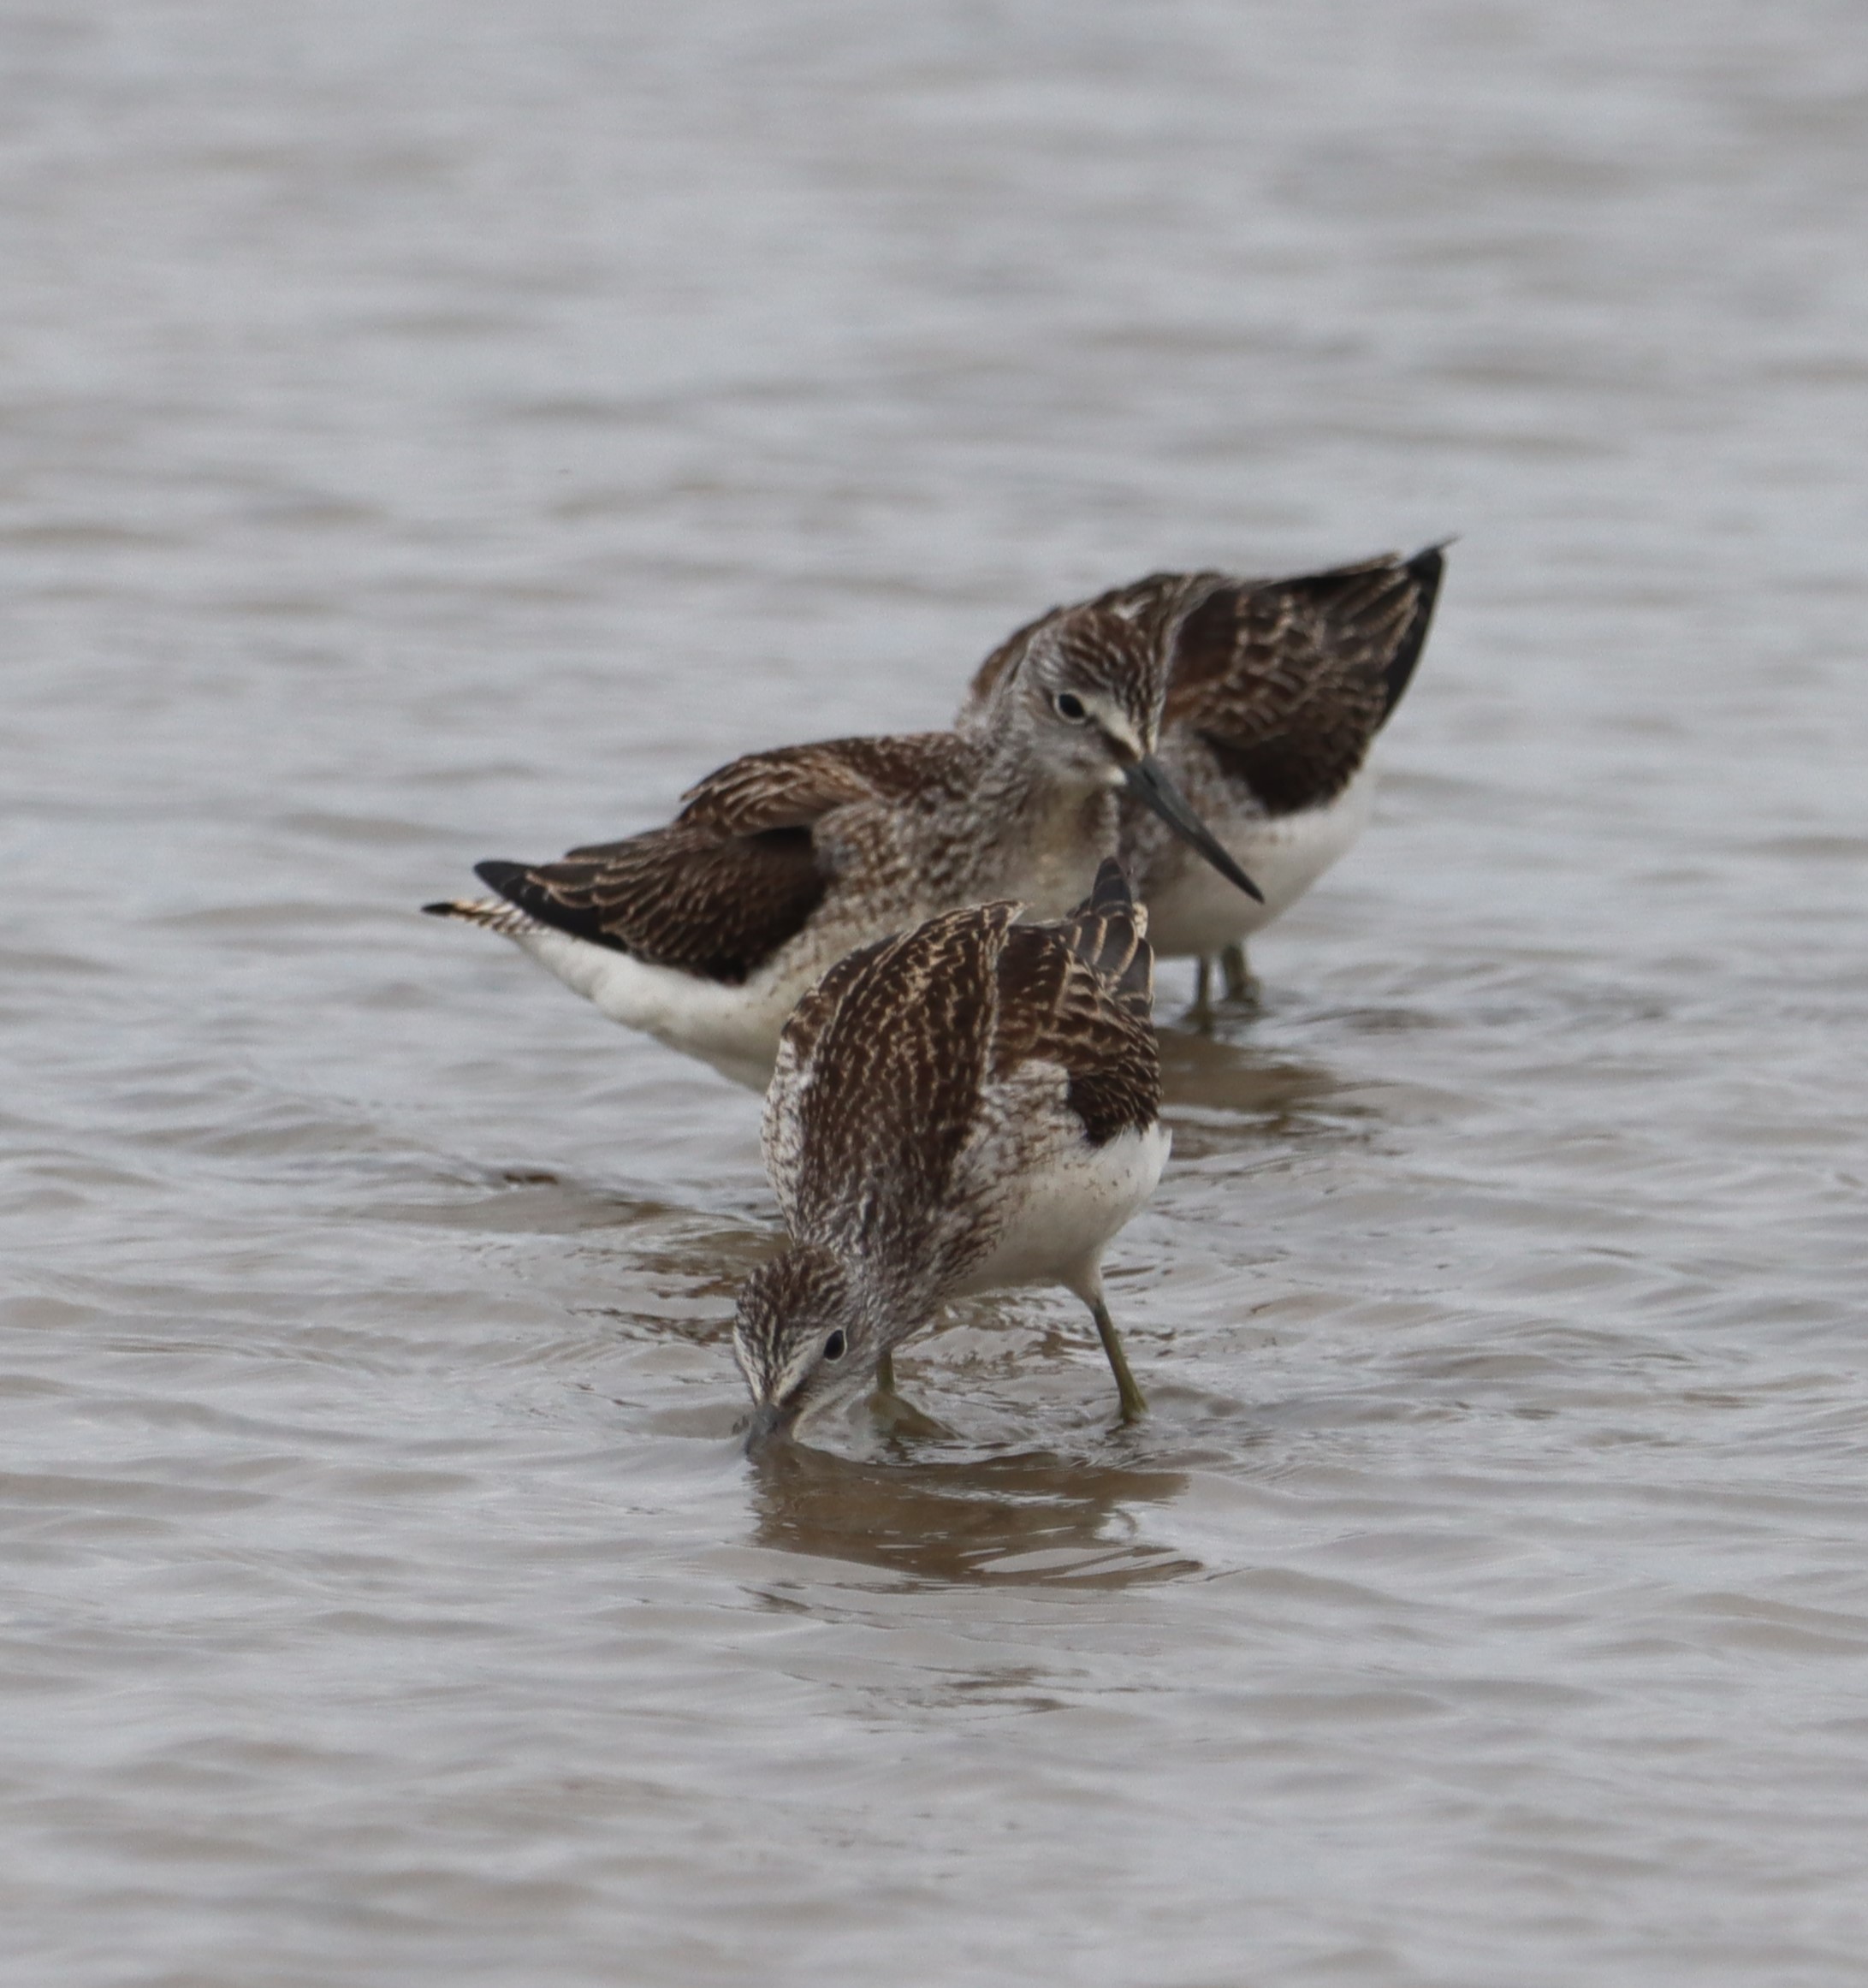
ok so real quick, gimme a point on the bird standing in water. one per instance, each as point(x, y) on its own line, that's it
point(705, 933)
point(972, 1104)
point(1275, 690)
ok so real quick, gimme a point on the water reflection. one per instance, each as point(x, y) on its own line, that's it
point(1035, 1516)
point(1218, 1075)
point(1210, 1084)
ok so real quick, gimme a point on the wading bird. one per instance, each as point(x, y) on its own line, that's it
point(704, 933)
point(1275, 690)
point(972, 1104)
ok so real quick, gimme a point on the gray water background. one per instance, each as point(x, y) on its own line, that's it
point(429, 431)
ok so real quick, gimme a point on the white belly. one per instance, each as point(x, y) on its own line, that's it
point(734, 1029)
point(1192, 909)
point(1059, 1216)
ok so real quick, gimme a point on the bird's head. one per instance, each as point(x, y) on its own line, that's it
point(803, 1339)
point(1086, 694)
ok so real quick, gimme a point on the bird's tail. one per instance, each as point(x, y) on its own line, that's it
point(495, 913)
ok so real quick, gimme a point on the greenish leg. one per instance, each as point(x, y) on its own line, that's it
point(899, 1417)
point(1134, 1402)
point(1240, 984)
point(1203, 993)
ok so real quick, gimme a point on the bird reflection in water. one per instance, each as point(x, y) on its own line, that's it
point(1033, 1517)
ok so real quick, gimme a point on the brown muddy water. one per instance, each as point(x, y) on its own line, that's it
point(430, 431)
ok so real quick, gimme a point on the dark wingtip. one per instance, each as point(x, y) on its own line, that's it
point(1111, 891)
point(1430, 562)
point(1426, 567)
point(1111, 935)
point(443, 910)
point(502, 877)
point(524, 888)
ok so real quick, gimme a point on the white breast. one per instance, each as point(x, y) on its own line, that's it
point(1056, 1214)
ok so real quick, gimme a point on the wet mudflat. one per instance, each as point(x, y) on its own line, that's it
point(434, 432)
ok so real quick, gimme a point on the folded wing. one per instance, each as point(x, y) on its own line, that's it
point(735, 874)
point(1080, 994)
point(1288, 681)
point(879, 1078)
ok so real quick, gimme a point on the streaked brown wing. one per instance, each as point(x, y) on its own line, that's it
point(735, 874)
point(879, 1075)
point(796, 785)
point(717, 906)
point(1288, 680)
point(1079, 993)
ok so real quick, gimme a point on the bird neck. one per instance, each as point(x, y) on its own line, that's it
point(1050, 827)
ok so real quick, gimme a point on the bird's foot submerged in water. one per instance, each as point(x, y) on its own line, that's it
point(894, 1415)
point(1242, 987)
point(1242, 984)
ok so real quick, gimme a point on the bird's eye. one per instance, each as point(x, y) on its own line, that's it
point(1069, 706)
point(836, 1346)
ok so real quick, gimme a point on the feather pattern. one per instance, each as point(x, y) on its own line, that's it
point(972, 1104)
point(705, 932)
point(1287, 680)
point(1275, 691)
point(1278, 691)
point(795, 787)
point(1288, 683)
point(911, 1053)
point(742, 867)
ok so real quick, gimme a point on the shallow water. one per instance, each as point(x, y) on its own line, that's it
point(431, 431)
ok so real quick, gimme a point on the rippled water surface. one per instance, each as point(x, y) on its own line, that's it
point(429, 431)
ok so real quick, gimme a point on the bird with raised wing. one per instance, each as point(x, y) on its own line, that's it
point(704, 933)
point(1275, 690)
point(972, 1104)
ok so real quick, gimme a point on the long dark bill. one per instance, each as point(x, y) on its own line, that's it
point(1155, 791)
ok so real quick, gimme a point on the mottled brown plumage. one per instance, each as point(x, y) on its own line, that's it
point(973, 1102)
point(739, 872)
point(1287, 682)
point(705, 932)
point(1275, 692)
point(1293, 676)
point(1088, 1006)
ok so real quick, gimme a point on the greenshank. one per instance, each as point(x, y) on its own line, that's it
point(1275, 690)
point(704, 933)
point(972, 1104)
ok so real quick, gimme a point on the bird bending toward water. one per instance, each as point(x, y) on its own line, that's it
point(971, 1104)
point(1275, 690)
point(704, 933)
